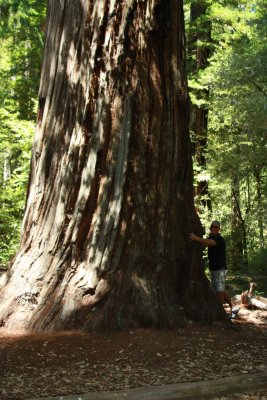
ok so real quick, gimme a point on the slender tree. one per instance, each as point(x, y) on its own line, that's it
point(199, 43)
point(238, 231)
point(110, 200)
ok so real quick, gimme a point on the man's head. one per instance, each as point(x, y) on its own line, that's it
point(215, 226)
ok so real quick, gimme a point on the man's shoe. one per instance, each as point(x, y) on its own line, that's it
point(234, 312)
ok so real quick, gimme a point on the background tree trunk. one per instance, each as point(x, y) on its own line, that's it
point(260, 208)
point(110, 199)
point(199, 44)
point(238, 230)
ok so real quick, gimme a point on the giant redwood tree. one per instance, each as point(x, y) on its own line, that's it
point(110, 200)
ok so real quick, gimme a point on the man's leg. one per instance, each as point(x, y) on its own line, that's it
point(218, 283)
point(228, 299)
point(220, 297)
point(226, 294)
point(224, 297)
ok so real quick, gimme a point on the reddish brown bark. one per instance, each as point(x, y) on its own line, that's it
point(110, 202)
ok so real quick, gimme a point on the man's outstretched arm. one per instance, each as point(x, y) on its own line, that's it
point(205, 242)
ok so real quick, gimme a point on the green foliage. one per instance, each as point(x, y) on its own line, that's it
point(236, 82)
point(21, 32)
point(258, 271)
point(239, 281)
point(15, 146)
point(21, 40)
point(258, 261)
point(238, 132)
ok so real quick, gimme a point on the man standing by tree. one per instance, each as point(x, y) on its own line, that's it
point(217, 261)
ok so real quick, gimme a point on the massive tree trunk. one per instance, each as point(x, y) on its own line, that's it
point(110, 200)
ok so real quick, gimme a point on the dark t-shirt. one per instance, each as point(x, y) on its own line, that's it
point(217, 254)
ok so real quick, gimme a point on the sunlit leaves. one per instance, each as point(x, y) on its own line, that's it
point(236, 82)
point(15, 145)
point(21, 40)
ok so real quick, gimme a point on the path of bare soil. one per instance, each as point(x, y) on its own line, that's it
point(61, 363)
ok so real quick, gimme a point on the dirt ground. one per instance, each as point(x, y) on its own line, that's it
point(57, 364)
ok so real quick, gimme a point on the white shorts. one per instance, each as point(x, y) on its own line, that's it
point(218, 280)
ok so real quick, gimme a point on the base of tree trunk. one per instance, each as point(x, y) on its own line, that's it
point(101, 309)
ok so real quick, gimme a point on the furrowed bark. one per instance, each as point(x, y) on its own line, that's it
point(110, 203)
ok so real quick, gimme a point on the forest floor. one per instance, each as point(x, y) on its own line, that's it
point(61, 363)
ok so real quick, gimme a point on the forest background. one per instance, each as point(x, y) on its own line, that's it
point(227, 77)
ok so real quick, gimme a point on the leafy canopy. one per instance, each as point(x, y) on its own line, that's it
point(21, 41)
